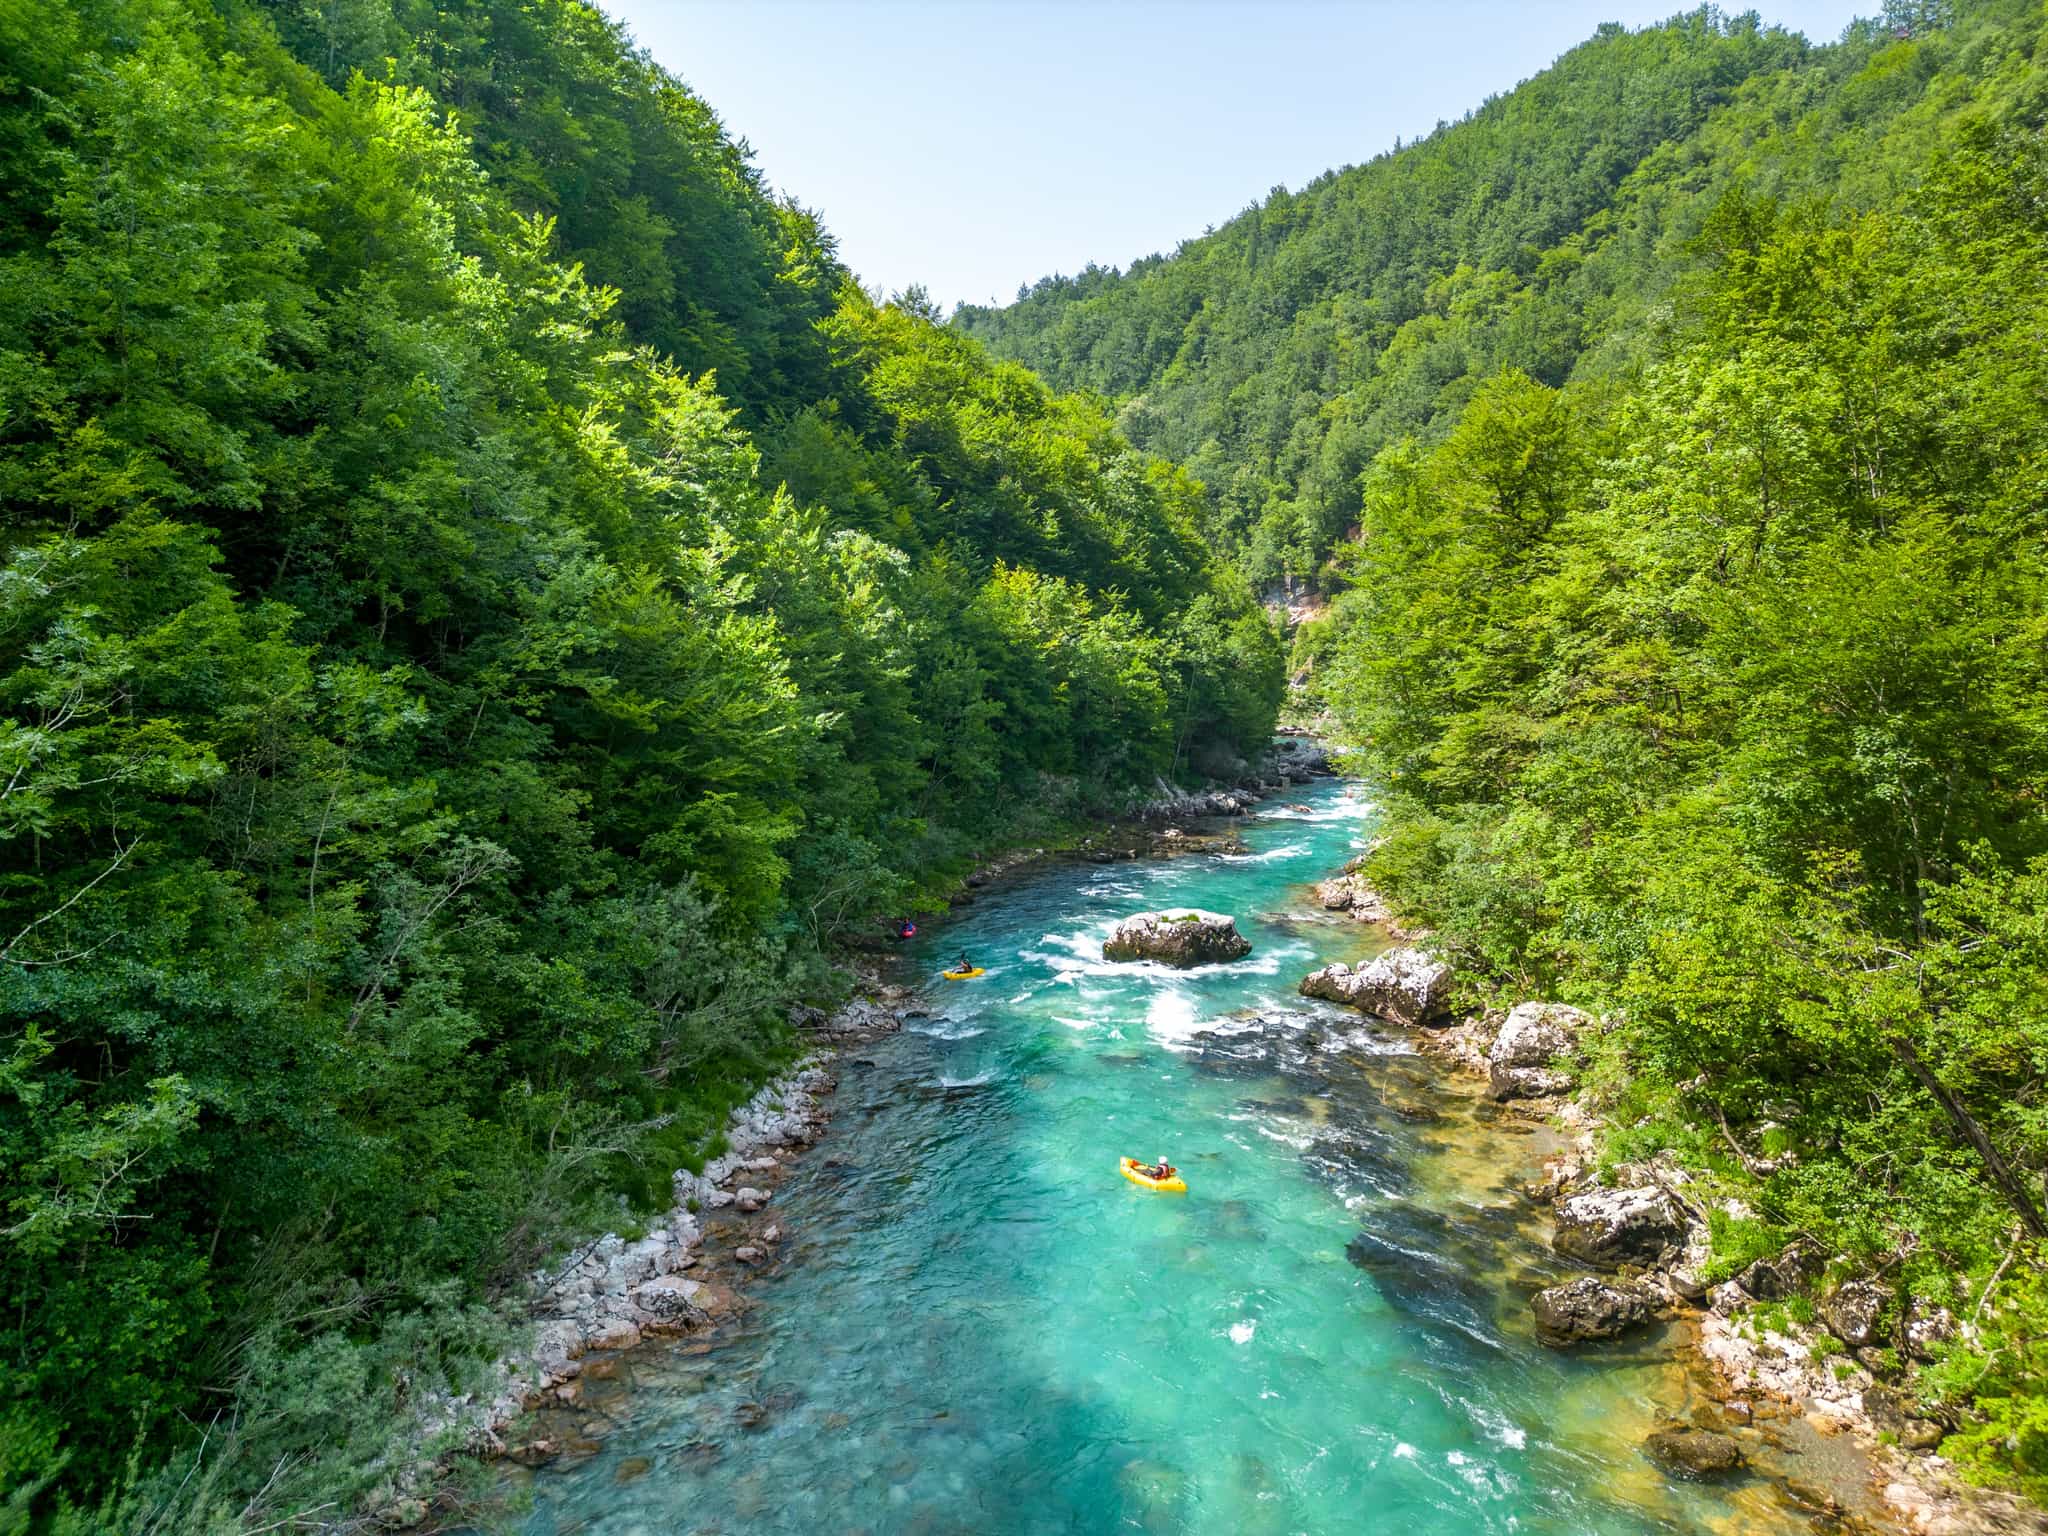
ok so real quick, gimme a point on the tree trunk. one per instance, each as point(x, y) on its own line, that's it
point(1966, 1125)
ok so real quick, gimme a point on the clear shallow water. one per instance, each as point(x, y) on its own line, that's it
point(980, 1327)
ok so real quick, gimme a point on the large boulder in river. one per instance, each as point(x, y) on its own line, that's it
point(1535, 1035)
point(1586, 1309)
point(1409, 986)
point(1183, 937)
point(1613, 1228)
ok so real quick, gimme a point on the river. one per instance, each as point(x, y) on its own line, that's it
point(978, 1326)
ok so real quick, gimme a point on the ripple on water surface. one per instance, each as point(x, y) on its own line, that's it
point(982, 1328)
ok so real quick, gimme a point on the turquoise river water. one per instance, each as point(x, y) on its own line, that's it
point(978, 1326)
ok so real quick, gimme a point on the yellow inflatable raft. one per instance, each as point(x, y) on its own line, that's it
point(1135, 1172)
point(961, 975)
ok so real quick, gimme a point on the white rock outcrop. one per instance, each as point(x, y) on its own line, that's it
point(1408, 986)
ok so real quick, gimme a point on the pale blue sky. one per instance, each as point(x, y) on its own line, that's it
point(975, 145)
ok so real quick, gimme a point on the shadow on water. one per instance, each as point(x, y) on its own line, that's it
point(977, 1326)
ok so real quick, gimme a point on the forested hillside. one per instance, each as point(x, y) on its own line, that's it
point(485, 603)
point(1695, 618)
point(1276, 355)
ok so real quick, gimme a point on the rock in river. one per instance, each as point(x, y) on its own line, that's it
point(1351, 893)
point(1609, 1228)
point(1586, 1309)
point(1409, 986)
point(1695, 1453)
point(1185, 936)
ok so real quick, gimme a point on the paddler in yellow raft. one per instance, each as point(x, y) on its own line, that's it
point(1161, 1176)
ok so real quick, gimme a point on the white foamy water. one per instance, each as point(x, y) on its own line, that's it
point(1171, 1017)
point(945, 1029)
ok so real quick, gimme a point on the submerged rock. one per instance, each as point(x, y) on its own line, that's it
point(1610, 1228)
point(1695, 1453)
point(1408, 986)
point(1436, 1275)
point(1184, 936)
point(1586, 1309)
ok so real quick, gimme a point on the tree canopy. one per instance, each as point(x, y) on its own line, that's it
point(485, 604)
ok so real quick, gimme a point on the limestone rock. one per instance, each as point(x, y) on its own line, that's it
point(1350, 893)
point(1298, 759)
point(1728, 1298)
point(1854, 1311)
point(1926, 1328)
point(1175, 843)
point(1408, 986)
point(1172, 803)
point(1784, 1274)
point(1519, 1065)
point(1893, 1414)
point(1586, 1309)
point(1610, 1228)
point(616, 1334)
point(1184, 936)
point(1504, 1083)
point(670, 1300)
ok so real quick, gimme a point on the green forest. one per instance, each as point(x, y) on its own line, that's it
point(490, 609)
point(486, 605)
point(1670, 439)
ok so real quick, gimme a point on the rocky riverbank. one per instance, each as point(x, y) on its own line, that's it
point(687, 1274)
point(684, 1274)
point(1640, 1232)
point(1162, 822)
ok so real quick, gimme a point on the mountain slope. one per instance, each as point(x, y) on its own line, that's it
point(1278, 354)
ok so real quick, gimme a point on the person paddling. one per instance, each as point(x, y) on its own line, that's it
point(1161, 1170)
